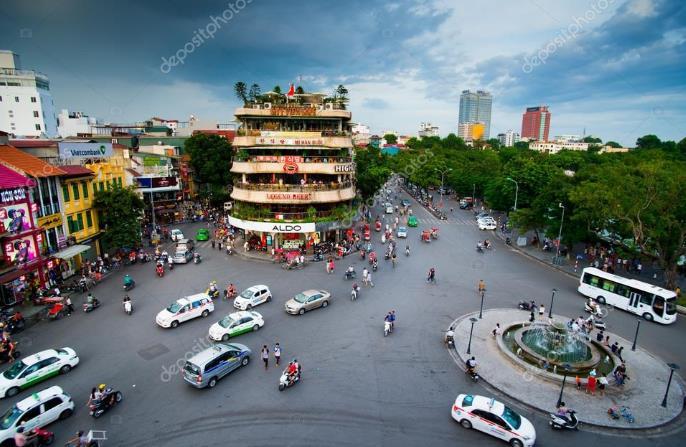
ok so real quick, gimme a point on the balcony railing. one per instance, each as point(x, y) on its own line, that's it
point(282, 159)
point(275, 216)
point(306, 133)
point(293, 188)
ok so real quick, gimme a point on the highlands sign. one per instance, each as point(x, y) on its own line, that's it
point(84, 150)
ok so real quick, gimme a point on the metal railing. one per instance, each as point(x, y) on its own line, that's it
point(309, 187)
point(254, 159)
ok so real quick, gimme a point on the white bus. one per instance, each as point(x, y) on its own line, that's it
point(651, 302)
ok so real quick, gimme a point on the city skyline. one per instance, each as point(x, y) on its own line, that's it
point(626, 85)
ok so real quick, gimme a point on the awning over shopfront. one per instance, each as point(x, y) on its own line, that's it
point(11, 276)
point(72, 251)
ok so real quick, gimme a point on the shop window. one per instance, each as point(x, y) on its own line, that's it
point(85, 190)
point(65, 192)
point(89, 219)
point(70, 224)
point(75, 191)
point(79, 219)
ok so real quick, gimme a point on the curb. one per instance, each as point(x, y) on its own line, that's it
point(677, 422)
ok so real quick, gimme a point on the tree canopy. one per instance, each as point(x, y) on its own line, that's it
point(120, 211)
point(211, 162)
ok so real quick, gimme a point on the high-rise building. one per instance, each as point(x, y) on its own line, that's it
point(476, 107)
point(471, 131)
point(427, 130)
point(509, 138)
point(294, 175)
point(26, 105)
point(536, 123)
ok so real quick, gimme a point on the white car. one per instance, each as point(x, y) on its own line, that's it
point(184, 309)
point(37, 410)
point(235, 324)
point(35, 368)
point(493, 417)
point(487, 223)
point(252, 296)
point(389, 209)
point(176, 235)
point(402, 232)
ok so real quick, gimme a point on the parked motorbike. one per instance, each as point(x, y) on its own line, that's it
point(14, 321)
point(292, 265)
point(109, 399)
point(526, 305)
point(39, 437)
point(89, 307)
point(214, 294)
point(569, 422)
point(286, 382)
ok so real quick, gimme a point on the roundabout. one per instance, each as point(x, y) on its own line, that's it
point(536, 363)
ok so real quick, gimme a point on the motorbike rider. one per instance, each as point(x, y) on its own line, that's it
point(355, 290)
point(91, 300)
point(471, 366)
point(170, 261)
point(196, 257)
point(407, 250)
point(128, 281)
point(487, 243)
point(350, 271)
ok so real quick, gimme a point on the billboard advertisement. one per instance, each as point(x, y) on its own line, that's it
point(85, 150)
point(20, 251)
point(156, 182)
point(15, 218)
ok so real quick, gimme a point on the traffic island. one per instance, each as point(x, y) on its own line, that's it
point(531, 362)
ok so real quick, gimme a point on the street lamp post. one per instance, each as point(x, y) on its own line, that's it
point(552, 299)
point(672, 367)
point(442, 172)
point(638, 326)
point(471, 330)
point(559, 235)
point(516, 191)
point(566, 368)
point(481, 309)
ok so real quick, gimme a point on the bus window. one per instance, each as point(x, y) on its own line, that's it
point(622, 290)
point(671, 307)
point(659, 306)
point(591, 280)
point(608, 285)
point(647, 299)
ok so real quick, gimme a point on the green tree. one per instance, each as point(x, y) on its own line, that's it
point(120, 211)
point(299, 90)
point(613, 144)
point(372, 171)
point(494, 143)
point(255, 92)
point(240, 89)
point(341, 95)
point(522, 145)
point(277, 89)
point(592, 139)
point(211, 162)
point(390, 138)
point(648, 142)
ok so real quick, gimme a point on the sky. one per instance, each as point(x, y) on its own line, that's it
point(612, 68)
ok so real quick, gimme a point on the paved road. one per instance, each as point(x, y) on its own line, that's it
point(358, 387)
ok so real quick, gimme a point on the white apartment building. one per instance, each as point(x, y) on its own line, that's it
point(568, 138)
point(74, 124)
point(427, 130)
point(553, 147)
point(26, 105)
point(362, 129)
point(509, 138)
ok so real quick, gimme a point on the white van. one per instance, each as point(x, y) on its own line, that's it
point(184, 309)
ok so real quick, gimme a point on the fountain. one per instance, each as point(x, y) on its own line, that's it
point(552, 346)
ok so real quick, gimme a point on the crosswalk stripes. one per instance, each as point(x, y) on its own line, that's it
point(451, 220)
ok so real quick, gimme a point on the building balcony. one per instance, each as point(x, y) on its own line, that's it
point(274, 164)
point(260, 214)
point(294, 110)
point(293, 139)
point(293, 194)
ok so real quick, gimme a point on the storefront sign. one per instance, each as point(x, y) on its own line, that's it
point(85, 150)
point(51, 221)
point(154, 161)
point(290, 141)
point(12, 195)
point(344, 168)
point(293, 111)
point(290, 168)
point(34, 208)
point(15, 218)
point(271, 227)
point(156, 182)
point(289, 196)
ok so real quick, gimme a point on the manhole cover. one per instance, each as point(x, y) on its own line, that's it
point(153, 351)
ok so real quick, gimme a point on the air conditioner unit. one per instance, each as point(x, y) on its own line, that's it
point(267, 105)
point(320, 107)
point(328, 106)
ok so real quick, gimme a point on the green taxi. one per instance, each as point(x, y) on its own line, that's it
point(203, 234)
point(412, 221)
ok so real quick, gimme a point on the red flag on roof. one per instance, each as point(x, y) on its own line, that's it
point(291, 91)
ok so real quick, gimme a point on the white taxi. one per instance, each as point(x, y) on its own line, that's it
point(235, 324)
point(487, 223)
point(184, 309)
point(493, 417)
point(36, 368)
point(252, 296)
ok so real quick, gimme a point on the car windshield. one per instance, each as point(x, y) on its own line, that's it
point(174, 308)
point(401, 229)
point(671, 306)
point(226, 322)
point(13, 371)
point(512, 418)
point(10, 417)
point(247, 294)
point(191, 368)
point(301, 298)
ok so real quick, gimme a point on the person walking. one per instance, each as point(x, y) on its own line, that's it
point(277, 353)
point(591, 383)
point(541, 311)
point(70, 306)
point(482, 286)
point(365, 276)
point(213, 243)
point(265, 356)
point(369, 279)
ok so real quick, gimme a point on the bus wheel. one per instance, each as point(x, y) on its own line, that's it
point(600, 300)
point(648, 317)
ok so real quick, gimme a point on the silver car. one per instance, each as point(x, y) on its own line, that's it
point(308, 300)
point(182, 256)
point(206, 367)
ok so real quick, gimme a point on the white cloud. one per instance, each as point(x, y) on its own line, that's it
point(642, 8)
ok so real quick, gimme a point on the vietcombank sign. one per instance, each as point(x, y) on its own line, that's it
point(85, 150)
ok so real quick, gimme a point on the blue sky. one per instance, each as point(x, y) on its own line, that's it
point(616, 68)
